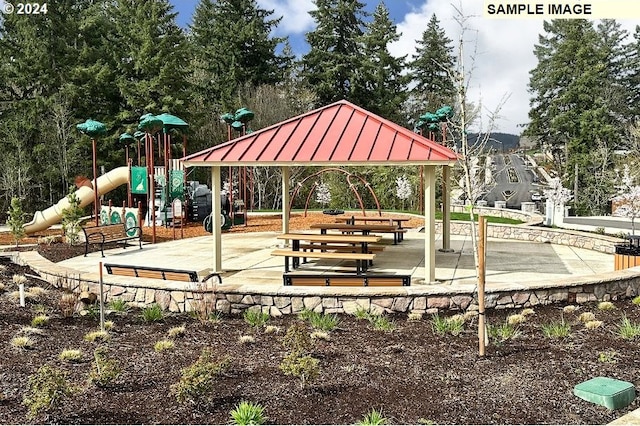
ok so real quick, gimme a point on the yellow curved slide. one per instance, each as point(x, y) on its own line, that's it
point(107, 182)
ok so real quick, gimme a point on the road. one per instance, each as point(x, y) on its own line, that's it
point(516, 190)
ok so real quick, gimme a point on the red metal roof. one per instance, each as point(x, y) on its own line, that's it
point(338, 134)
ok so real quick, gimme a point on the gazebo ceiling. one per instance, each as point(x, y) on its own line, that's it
point(338, 134)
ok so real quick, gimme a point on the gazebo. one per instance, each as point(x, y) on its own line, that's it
point(339, 134)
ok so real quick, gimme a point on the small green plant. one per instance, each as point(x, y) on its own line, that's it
point(599, 230)
point(22, 342)
point(628, 330)
point(556, 329)
point(104, 370)
point(373, 417)
point(382, 323)
point(71, 355)
point(569, 309)
point(636, 300)
point(503, 332)
point(255, 318)
point(199, 380)
point(118, 305)
point(39, 321)
point(46, 390)
point(453, 325)
point(324, 322)
point(320, 335)
point(92, 311)
point(414, 316)
point(527, 311)
point(305, 314)
point(516, 319)
point(176, 331)
point(608, 357)
point(592, 325)
point(362, 314)
point(606, 306)
point(163, 345)
point(152, 313)
point(248, 413)
point(297, 339)
point(15, 220)
point(108, 325)
point(98, 335)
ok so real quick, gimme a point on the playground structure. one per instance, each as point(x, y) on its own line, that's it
point(352, 186)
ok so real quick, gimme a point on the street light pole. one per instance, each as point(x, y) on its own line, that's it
point(95, 182)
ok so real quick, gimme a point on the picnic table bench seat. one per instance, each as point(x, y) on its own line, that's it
point(360, 258)
point(342, 280)
point(158, 273)
point(114, 233)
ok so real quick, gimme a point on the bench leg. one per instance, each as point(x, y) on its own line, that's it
point(286, 264)
point(86, 248)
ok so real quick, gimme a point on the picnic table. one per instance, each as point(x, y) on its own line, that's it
point(364, 229)
point(390, 220)
point(329, 242)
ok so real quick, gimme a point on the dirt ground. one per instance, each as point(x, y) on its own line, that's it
point(411, 373)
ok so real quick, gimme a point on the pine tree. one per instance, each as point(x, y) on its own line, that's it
point(15, 220)
point(632, 81)
point(335, 57)
point(233, 47)
point(381, 87)
point(432, 69)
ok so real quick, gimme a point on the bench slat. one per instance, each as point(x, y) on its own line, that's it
point(156, 273)
point(116, 232)
point(324, 255)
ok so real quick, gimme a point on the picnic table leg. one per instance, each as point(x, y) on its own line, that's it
point(286, 264)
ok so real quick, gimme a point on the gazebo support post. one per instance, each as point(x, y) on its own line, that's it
point(216, 222)
point(446, 209)
point(286, 172)
point(429, 224)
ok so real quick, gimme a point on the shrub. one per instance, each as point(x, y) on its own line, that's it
point(152, 313)
point(569, 309)
point(248, 413)
point(527, 311)
point(247, 340)
point(599, 230)
point(163, 345)
point(104, 370)
point(272, 329)
point(39, 321)
point(306, 368)
point(67, 304)
point(587, 316)
point(98, 335)
point(297, 338)
point(198, 381)
point(176, 331)
point(71, 355)
point(22, 342)
point(556, 329)
point(71, 217)
point(606, 306)
point(15, 220)
point(255, 318)
point(118, 305)
point(592, 325)
point(46, 389)
point(516, 319)
point(628, 330)
point(503, 332)
point(373, 417)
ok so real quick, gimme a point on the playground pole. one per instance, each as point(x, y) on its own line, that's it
point(95, 182)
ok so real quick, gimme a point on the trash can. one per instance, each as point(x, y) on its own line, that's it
point(627, 255)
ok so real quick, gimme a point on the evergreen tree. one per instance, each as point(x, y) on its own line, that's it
point(233, 47)
point(380, 87)
point(335, 57)
point(632, 82)
point(432, 69)
point(15, 220)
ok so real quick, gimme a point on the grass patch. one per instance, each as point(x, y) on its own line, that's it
point(382, 323)
point(98, 335)
point(324, 322)
point(442, 326)
point(22, 342)
point(163, 345)
point(503, 332)
point(152, 313)
point(176, 331)
point(118, 305)
point(248, 413)
point(556, 329)
point(628, 330)
point(255, 318)
point(71, 355)
point(373, 417)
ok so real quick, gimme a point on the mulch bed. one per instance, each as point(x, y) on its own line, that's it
point(412, 374)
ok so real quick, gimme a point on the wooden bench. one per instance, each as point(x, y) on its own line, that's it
point(360, 258)
point(157, 273)
point(114, 233)
point(347, 280)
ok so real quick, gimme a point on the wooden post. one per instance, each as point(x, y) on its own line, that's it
point(482, 235)
point(96, 210)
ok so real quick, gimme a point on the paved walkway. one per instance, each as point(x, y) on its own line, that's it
point(246, 259)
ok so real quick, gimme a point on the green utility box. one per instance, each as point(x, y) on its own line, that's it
point(611, 393)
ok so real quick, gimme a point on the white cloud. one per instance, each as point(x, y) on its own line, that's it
point(503, 60)
point(295, 13)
